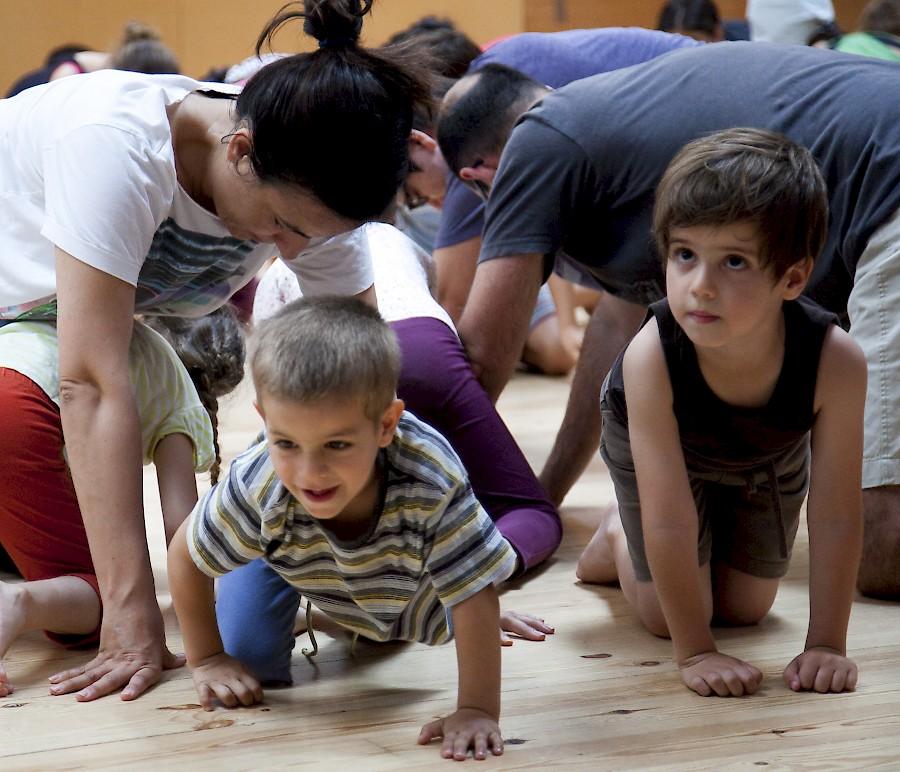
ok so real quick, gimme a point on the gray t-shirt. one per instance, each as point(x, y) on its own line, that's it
point(579, 172)
point(554, 59)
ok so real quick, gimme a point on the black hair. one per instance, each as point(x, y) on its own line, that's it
point(64, 53)
point(450, 49)
point(336, 121)
point(827, 30)
point(212, 350)
point(700, 15)
point(479, 121)
point(214, 75)
point(747, 175)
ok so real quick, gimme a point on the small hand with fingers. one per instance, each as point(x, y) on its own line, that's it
point(526, 626)
point(223, 678)
point(821, 669)
point(712, 673)
point(466, 728)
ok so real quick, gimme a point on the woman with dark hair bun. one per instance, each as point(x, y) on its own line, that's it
point(361, 137)
point(125, 193)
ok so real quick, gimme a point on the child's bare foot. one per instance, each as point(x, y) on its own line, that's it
point(597, 564)
point(12, 622)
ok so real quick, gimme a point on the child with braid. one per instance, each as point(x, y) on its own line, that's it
point(178, 371)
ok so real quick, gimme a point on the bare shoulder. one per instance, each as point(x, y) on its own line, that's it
point(644, 365)
point(842, 368)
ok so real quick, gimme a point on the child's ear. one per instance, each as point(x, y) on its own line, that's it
point(389, 420)
point(796, 278)
point(259, 409)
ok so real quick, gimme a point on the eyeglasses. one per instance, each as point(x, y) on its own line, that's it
point(478, 187)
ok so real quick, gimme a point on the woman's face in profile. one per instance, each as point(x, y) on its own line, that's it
point(286, 216)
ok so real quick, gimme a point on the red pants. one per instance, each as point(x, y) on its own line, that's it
point(40, 523)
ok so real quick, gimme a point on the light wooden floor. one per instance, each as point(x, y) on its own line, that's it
point(600, 694)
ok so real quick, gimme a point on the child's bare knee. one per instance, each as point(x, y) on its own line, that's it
point(654, 621)
point(743, 615)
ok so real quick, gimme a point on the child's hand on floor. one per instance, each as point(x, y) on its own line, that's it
point(712, 673)
point(223, 677)
point(526, 626)
point(467, 728)
point(821, 669)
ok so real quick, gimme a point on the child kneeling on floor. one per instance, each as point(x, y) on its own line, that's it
point(735, 398)
point(357, 504)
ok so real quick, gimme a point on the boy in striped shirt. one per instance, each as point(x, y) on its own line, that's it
point(352, 502)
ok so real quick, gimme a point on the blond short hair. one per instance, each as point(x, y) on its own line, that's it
point(334, 347)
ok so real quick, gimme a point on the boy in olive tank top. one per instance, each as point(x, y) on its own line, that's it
point(735, 399)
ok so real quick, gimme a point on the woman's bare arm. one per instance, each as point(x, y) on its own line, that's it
point(102, 432)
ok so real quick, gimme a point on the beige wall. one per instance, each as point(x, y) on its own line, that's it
point(566, 14)
point(207, 33)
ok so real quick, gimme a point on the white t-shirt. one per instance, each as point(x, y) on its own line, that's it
point(787, 21)
point(403, 274)
point(87, 164)
point(167, 402)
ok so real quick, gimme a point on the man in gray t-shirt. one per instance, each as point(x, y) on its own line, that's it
point(576, 182)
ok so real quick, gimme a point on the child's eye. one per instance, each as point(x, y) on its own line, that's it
point(285, 445)
point(682, 255)
point(337, 445)
point(736, 261)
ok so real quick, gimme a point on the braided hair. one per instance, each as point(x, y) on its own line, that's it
point(212, 350)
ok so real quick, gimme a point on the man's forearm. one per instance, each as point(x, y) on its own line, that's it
point(612, 325)
point(494, 324)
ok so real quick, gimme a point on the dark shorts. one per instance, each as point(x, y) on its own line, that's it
point(748, 520)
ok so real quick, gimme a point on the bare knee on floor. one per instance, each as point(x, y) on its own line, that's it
point(879, 569)
point(740, 598)
point(649, 611)
point(544, 349)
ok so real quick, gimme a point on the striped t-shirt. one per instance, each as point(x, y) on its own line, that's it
point(431, 547)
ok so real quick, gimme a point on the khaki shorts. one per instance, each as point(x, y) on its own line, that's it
point(875, 326)
point(742, 523)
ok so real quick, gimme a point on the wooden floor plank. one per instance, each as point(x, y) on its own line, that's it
point(562, 704)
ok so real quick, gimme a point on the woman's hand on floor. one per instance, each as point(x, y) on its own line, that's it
point(132, 655)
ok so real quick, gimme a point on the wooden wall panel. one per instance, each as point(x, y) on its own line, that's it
point(207, 33)
point(30, 28)
point(548, 15)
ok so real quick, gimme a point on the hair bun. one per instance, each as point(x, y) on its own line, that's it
point(335, 23)
point(136, 30)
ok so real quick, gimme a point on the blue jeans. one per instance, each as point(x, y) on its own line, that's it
point(256, 610)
